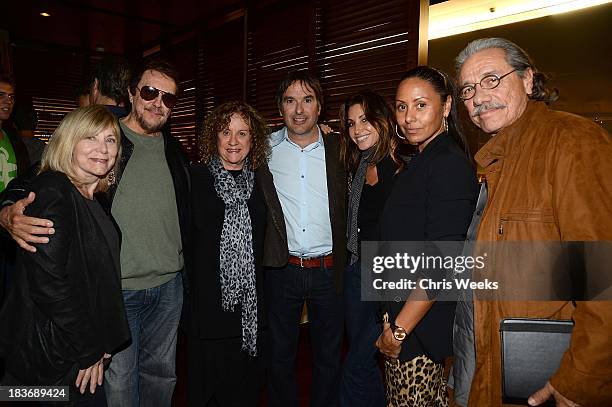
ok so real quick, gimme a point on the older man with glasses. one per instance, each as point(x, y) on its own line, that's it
point(547, 180)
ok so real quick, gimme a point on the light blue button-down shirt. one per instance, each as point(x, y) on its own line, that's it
point(300, 178)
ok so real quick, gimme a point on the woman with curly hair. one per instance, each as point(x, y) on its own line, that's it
point(229, 220)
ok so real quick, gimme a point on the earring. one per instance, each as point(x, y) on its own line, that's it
point(445, 124)
point(111, 177)
point(398, 134)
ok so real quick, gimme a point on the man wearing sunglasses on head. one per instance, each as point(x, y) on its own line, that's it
point(148, 202)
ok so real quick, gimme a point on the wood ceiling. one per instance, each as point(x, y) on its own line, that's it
point(118, 26)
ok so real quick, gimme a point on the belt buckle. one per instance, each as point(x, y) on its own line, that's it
point(301, 262)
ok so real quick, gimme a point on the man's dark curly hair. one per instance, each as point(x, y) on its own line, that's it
point(219, 119)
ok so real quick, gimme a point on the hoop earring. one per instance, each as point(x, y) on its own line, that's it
point(398, 134)
point(445, 124)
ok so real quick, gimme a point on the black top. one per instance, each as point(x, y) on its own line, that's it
point(109, 229)
point(65, 307)
point(432, 199)
point(208, 319)
point(373, 199)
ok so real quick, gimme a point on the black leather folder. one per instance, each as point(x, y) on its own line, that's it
point(531, 352)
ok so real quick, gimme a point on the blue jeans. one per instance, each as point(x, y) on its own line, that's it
point(286, 290)
point(144, 374)
point(362, 384)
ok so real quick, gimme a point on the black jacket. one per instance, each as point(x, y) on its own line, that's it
point(209, 320)
point(65, 309)
point(276, 251)
point(432, 199)
point(7, 244)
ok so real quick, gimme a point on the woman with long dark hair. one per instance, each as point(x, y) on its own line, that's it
point(367, 125)
point(433, 198)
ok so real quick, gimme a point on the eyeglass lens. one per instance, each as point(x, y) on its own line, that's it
point(488, 82)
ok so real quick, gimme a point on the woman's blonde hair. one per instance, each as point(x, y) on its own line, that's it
point(76, 126)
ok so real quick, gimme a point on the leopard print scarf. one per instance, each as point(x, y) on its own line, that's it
point(236, 261)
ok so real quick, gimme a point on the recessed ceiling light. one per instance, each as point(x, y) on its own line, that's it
point(45, 14)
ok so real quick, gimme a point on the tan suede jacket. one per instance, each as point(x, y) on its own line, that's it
point(549, 178)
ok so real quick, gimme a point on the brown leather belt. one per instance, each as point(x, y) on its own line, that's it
point(313, 262)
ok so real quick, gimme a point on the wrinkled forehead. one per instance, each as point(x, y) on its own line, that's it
point(486, 62)
point(158, 80)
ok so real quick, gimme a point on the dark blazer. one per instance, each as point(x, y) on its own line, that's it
point(7, 244)
point(65, 309)
point(432, 199)
point(208, 319)
point(276, 252)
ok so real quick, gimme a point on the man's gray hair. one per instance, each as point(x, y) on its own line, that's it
point(517, 58)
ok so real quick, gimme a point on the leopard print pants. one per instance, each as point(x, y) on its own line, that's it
point(416, 383)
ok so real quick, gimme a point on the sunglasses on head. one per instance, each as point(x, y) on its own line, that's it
point(149, 93)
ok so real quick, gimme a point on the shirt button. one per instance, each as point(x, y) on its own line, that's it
point(303, 230)
point(302, 176)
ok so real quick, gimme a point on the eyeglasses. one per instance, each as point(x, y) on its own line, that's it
point(488, 82)
point(8, 96)
point(149, 93)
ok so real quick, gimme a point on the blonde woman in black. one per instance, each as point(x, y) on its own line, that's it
point(64, 316)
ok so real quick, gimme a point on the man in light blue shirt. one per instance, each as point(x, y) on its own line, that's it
point(299, 175)
point(310, 236)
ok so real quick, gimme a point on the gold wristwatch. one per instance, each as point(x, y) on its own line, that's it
point(399, 333)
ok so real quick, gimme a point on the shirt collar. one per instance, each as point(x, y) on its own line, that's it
point(281, 135)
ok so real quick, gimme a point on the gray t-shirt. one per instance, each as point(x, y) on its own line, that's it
point(145, 210)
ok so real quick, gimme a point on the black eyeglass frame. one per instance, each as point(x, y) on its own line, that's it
point(169, 99)
point(473, 85)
